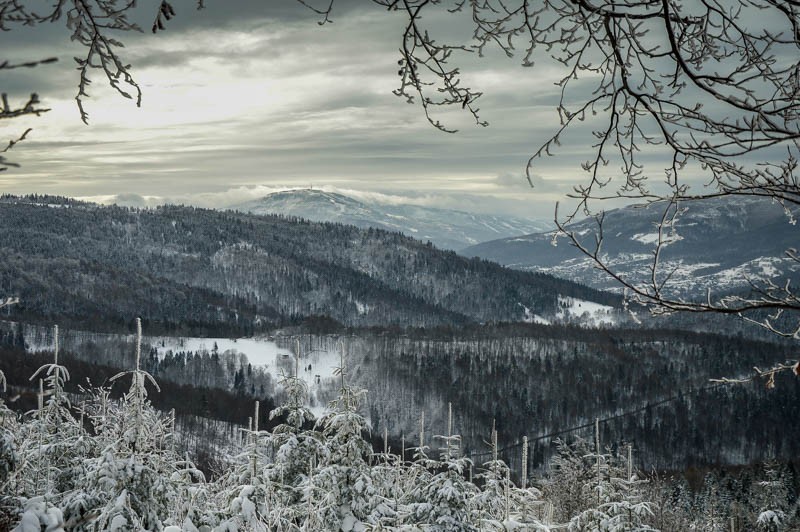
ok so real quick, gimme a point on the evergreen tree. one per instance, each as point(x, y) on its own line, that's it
point(771, 499)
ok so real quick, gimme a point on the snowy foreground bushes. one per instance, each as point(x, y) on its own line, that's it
point(112, 465)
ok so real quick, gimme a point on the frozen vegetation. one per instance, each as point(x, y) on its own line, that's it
point(553, 378)
point(586, 312)
point(105, 464)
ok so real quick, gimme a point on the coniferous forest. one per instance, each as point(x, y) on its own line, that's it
point(182, 349)
point(466, 396)
point(188, 270)
point(92, 461)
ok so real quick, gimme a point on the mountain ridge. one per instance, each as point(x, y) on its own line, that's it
point(177, 264)
point(446, 228)
point(715, 244)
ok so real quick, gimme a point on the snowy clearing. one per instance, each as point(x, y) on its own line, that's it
point(652, 238)
point(531, 317)
point(590, 313)
point(314, 368)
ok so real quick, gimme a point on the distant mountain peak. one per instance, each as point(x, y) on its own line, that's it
point(446, 228)
point(307, 193)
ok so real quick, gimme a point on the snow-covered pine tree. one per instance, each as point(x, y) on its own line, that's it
point(127, 483)
point(444, 501)
point(771, 499)
point(492, 504)
point(620, 506)
point(593, 492)
point(393, 484)
point(247, 497)
point(569, 482)
point(9, 459)
point(295, 444)
point(194, 498)
point(712, 507)
point(343, 472)
point(51, 442)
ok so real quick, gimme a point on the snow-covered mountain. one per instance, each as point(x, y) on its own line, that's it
point(448, 229)
point(233, 270)
point(715, 244)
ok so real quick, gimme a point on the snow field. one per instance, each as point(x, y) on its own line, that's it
point(315, 368)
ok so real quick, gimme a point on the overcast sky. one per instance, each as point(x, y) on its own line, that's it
point(247, 97)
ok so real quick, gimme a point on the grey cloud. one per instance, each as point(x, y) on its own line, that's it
point(537, 184)
point(235, 13)
point(350, 131)
point(131, 200)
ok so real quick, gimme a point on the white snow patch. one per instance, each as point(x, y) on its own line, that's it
point(361, 307)
point(587, 312)
point(314, 368)
point(652, 238)
point(260, 352)
point(768, 269)
point(530, 317)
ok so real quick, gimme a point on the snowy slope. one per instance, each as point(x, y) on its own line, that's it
point(586, 313)
point(315, 368)
point(715, 244)
point(237, 273)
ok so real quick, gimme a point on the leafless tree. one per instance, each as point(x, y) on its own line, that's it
point(8, 111)
point(712, 86)
point(95, 24)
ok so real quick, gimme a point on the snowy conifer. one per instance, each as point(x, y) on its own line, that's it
point(443, 502)
point(127, 484)
point(771, 499)
point(249, 499)
point(343, 471)
point(620, 506)
point(50, 443)
point(294, 444)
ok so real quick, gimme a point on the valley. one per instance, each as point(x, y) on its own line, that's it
point(552, 380)
point(239, 308)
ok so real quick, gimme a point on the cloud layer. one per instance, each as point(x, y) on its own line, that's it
point(245, 97)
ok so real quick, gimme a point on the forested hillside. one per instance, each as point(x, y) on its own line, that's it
point(651, 388)
point(91, 462)
point(183, 268)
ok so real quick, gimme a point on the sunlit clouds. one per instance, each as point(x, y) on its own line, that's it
point(269, 103)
